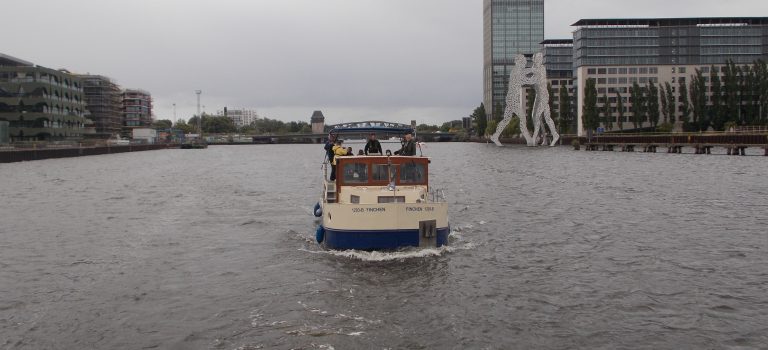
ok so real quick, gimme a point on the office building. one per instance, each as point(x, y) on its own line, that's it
point(558, 60)
point(240, 117)
point(510, 27)
point(620, 52)
point(40, 103)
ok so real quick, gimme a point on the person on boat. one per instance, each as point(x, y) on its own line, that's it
point(389, 153)
point(409, 146)
point(373, 146)
point(360, 153)
point(350, 152)
point(338, 151)
point(329, 151)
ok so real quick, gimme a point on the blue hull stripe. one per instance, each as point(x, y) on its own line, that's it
point(378, 239)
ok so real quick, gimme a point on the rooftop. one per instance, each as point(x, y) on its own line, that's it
point(672, 22)
point(6, 60)
point(557, 42)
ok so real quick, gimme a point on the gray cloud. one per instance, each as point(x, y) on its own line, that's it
point(361, 59)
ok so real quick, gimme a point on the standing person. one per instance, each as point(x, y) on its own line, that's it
point(338, 151)
point(373, 145)
point(329, 147)
point(409, 146)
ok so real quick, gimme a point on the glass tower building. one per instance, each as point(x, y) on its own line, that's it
point(510, 27)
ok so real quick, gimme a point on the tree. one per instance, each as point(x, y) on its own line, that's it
point(491, 128)
point(182, 125)
point(653, 104)
point(481, 119)
point(513, 128)
point(664, 103)
point(699, 101)
point(672, 107)
point(731, 105)
point(606, 111)
point(620, 109)
point(564, 112)
point(498, 112)
point(162, 124)
point(590, 115)
point(715, 112)
point(638, 105)
point(427, 128)
point(685, 105)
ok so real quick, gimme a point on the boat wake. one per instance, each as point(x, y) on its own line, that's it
point(456, 243)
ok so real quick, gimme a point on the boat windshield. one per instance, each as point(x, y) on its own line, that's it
point(382, 171)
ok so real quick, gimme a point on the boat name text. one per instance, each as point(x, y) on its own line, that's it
point(369, 210)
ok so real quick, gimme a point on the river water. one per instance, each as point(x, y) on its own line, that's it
point(551, 248)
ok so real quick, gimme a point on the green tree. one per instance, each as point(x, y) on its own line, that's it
point(590, 115)
point(699, 101)
point(481, 119)
point(512, 129)
point(491, 128)
point(638, 105)
point(664, 103)
point(672, 103)
point(716, 108)
point(606, 112)
point(653, 104)
point(685, 104)
point(182, 125)
point(731, 105)
point(498, 112)
point(427, 128)
point(620, 109)
point(564, 112)
point(162, 124)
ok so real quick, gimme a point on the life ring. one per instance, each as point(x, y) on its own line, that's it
point(320, 234)
point(318, 211)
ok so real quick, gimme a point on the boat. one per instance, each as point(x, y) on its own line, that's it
point(380, 202)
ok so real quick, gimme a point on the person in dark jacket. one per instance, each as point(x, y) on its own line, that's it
point(373, 146)
point(409, 146)
point(329, 152)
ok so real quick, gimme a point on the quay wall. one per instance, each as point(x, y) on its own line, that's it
point(21, 155)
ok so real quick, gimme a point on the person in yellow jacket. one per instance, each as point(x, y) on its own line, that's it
point(338, 151)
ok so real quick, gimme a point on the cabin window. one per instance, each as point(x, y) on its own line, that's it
point(355, 173)
point(391, 199)
point(354, 199)
point(381, 172)
point(412, 173)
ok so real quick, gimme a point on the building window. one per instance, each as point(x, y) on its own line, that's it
point(612, 70)
point(601, 71)
point(654, 70)
point(591, 71)
point(633, 71)
point(623, 71)
point(644, 70)
point(681, 70)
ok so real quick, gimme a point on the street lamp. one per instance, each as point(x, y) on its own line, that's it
point(199, 117)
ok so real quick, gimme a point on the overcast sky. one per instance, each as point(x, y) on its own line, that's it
point(393, 60)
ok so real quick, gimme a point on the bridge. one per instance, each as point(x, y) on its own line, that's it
point(358, 130)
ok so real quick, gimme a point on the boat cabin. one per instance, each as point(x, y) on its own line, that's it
point(380, 179)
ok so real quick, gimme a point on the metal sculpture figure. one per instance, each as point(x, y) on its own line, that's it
point(541, 108)
point(521, 76)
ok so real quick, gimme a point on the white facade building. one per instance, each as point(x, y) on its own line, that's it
point(241, 117)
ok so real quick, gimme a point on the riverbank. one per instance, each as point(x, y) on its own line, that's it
point(35, 153)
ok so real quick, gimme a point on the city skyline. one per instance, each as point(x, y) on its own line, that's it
point(364, 60)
